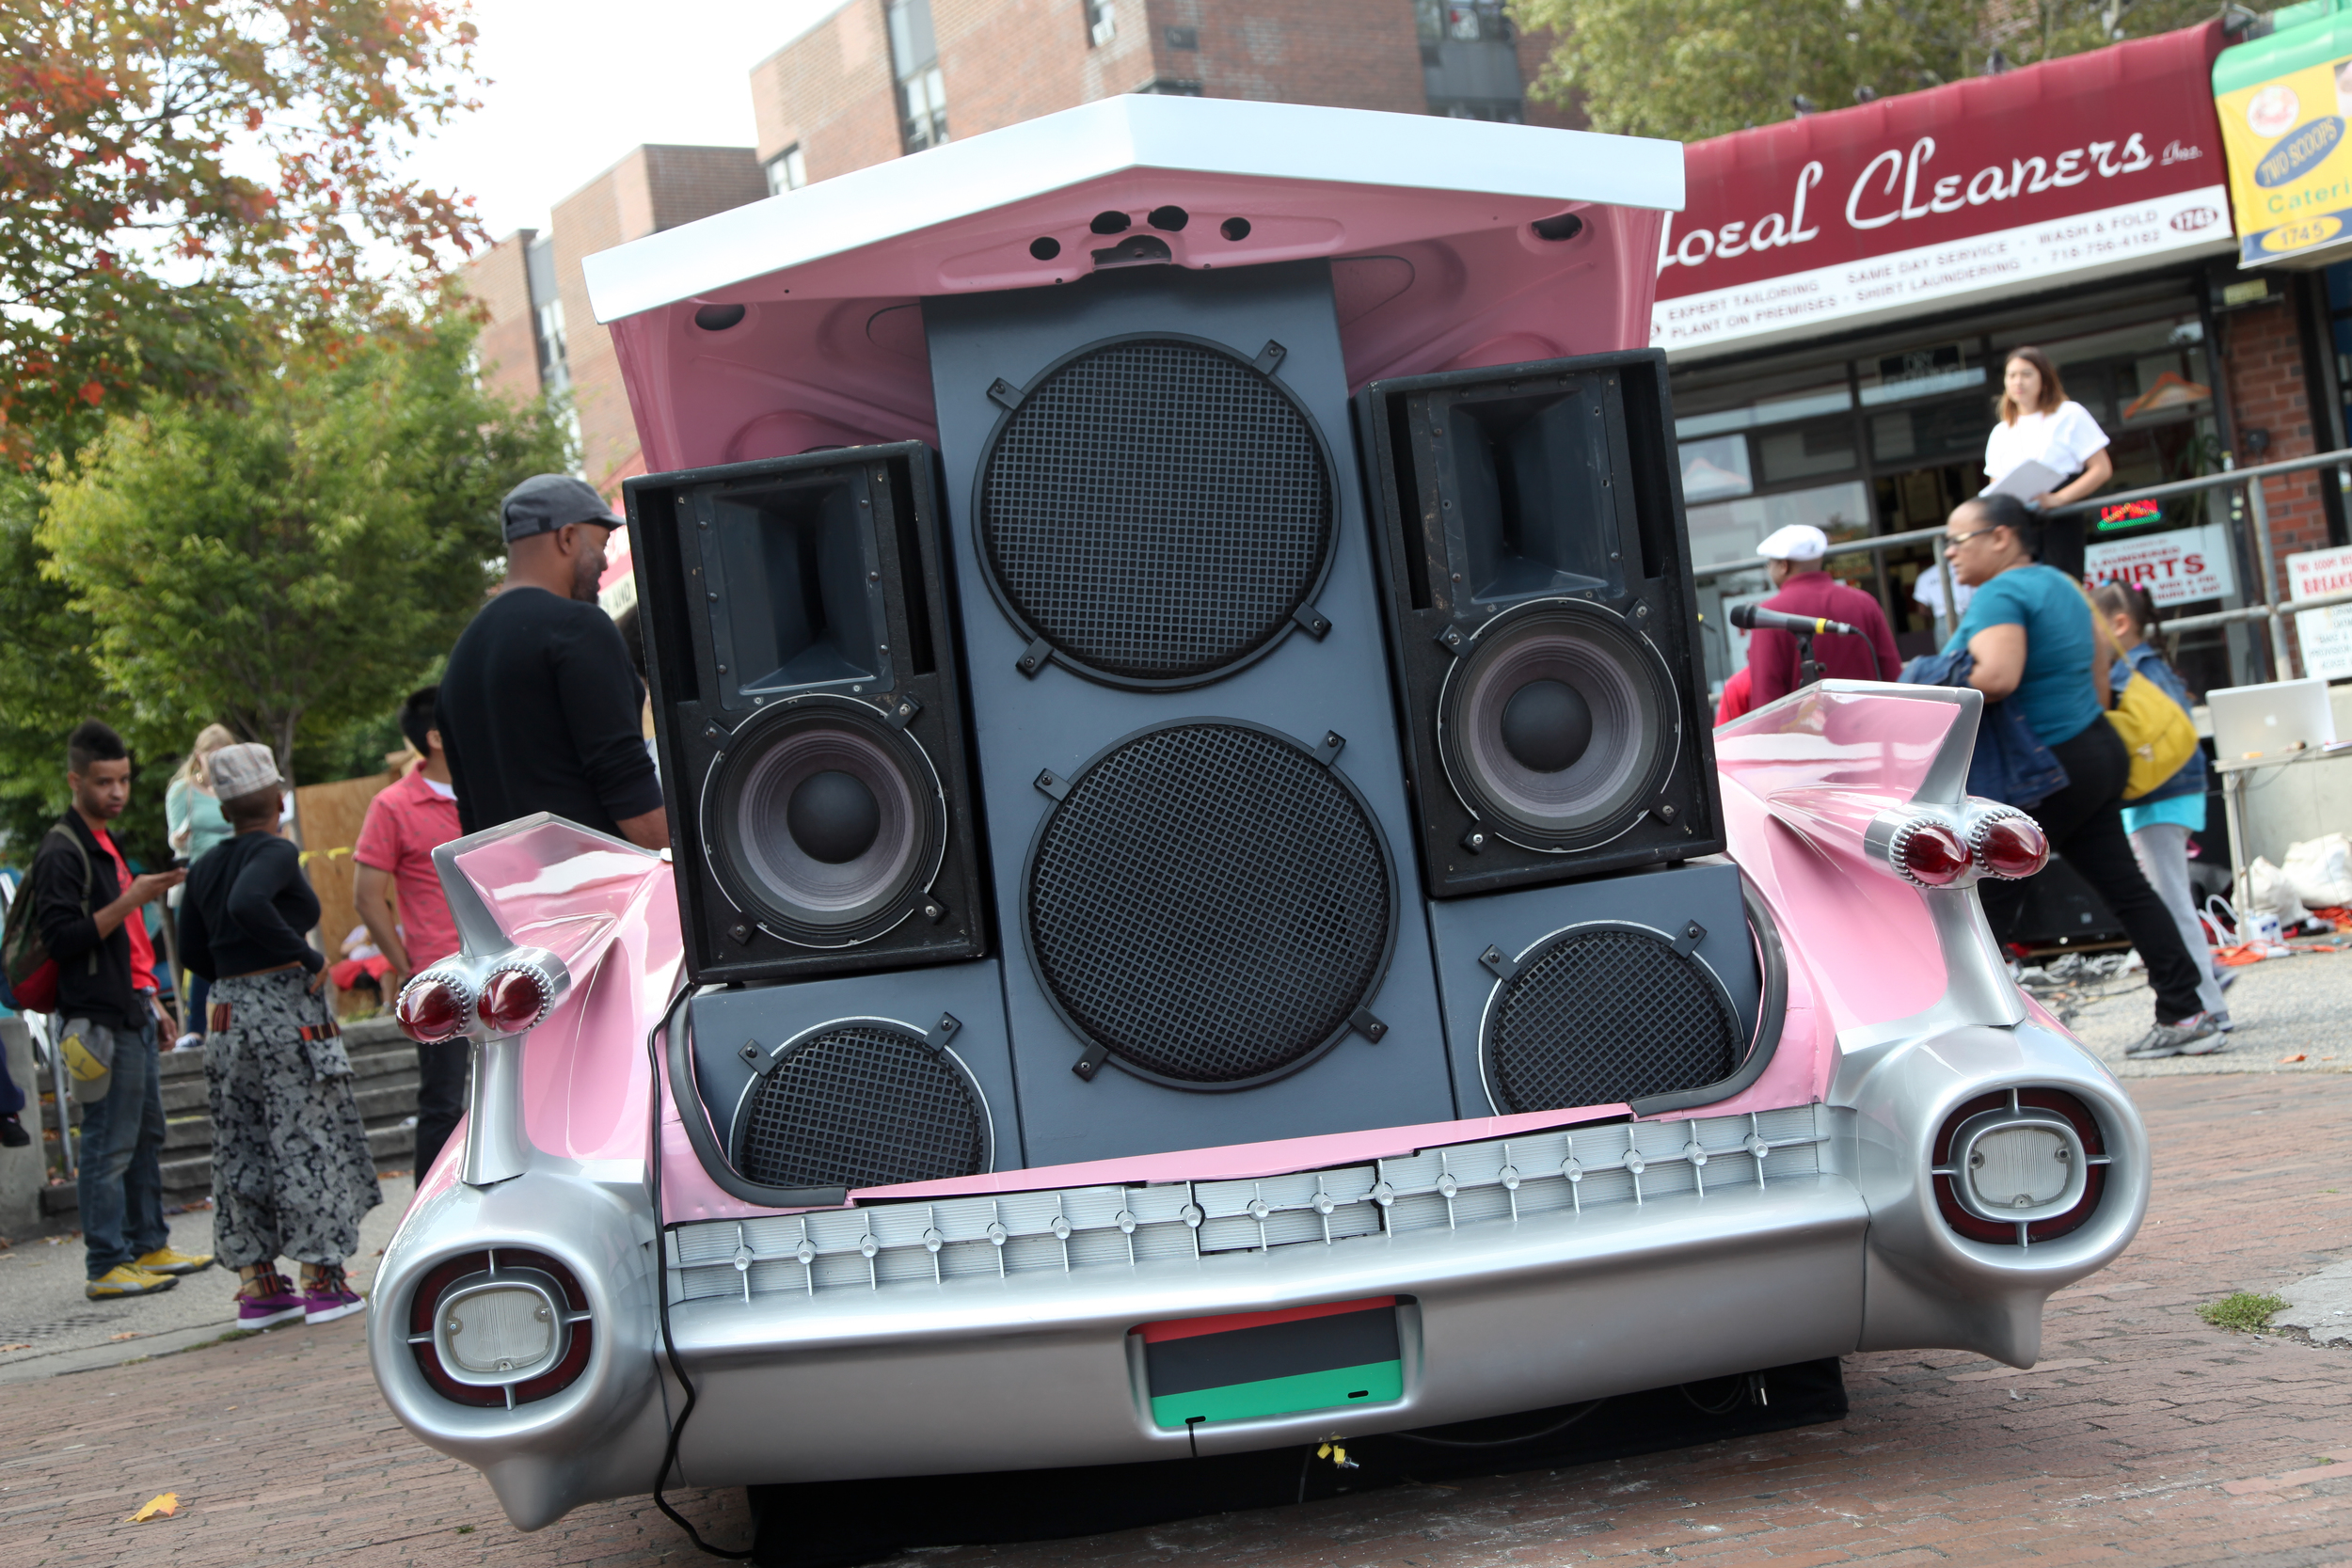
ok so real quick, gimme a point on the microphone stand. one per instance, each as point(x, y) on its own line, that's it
point(1808, 668)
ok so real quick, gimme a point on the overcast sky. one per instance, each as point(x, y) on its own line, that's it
point(575, 83)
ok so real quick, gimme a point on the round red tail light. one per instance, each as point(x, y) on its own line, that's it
point(513, 1001)
point(430, 1010)
point(1931, 854)
point(2012, 847)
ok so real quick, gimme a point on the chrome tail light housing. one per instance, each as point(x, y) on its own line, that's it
point(499, 1328)
point(2019, 1165)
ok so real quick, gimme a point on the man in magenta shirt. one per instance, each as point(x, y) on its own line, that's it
point(405, 824)
point(1792, 557)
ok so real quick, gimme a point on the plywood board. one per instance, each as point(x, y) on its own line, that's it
point(328, 816)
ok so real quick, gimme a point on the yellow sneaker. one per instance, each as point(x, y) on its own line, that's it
point(166, 1261)
point(127, 1279)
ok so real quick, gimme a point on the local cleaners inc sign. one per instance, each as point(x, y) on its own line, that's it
point(2091, 164)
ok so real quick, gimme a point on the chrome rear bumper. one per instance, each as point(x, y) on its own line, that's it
point(1035, 1369)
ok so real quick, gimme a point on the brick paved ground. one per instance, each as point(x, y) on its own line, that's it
point(2145, 1435)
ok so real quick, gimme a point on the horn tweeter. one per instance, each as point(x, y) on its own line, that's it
point(809, 714)
point(1541, 614)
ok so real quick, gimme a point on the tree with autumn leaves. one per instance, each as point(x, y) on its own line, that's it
point(215, 274)
point(1687, 69)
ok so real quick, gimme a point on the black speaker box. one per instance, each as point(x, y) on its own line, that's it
point(1536, 580)
point(809, 720)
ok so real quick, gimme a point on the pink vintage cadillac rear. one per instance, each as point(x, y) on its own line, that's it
point(1206, 911)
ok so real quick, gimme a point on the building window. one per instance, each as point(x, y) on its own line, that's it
point(1469, 60)
point(547, 316)
point(788, 171)
point(1102, 22)
point(1173, 86)
point(922, 92)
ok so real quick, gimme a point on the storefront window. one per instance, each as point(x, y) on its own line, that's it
point(1902, 428)
point(1716, 468)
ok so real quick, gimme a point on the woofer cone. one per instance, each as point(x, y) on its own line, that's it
point(1558, 727)
point(824, 823)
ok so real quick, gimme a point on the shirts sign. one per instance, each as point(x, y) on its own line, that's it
point(2325, 635)
point(2094, 163)
point(2176, 568)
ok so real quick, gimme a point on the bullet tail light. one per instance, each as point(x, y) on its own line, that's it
point(433, 1007)
point(2009, 845)
point(1926, 851)
point(515, 998)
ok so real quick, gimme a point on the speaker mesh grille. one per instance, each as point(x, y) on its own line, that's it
point(1210, 904)
point(1156, 511)
point(863, 1106)
point(1606, 1016)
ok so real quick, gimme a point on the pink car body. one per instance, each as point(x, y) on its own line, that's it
point(1812, 1209)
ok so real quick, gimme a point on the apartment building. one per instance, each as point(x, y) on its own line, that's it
point(877, 79)
point(540, 334)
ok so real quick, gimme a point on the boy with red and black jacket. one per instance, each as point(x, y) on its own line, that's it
point(87, 904)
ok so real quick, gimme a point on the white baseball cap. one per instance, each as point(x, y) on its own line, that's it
point(1797, 542)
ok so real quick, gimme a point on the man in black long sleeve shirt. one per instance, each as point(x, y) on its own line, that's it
point(85, 899)
point(538, 709)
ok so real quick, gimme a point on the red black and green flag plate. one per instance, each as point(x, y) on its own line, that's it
point(1249, 1365)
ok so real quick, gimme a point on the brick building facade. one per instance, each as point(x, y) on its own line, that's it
point(540, 333)
point(876, 79)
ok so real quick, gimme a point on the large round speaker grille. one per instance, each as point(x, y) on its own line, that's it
point(1210, 904)
point(1156, 510)
point(1605, 1013)
point(824, 823)
point(861, 1106)
point(1558, 726)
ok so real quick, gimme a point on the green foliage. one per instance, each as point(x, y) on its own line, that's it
point(2242, 1310)
point(1687, 69)
point(178, 173)
point(293, 563)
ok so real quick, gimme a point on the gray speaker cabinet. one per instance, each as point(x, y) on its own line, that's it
point(1037, 721)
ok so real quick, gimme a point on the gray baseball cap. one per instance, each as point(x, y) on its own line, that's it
point(545, 503)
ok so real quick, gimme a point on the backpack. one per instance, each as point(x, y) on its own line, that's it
point(31, 974)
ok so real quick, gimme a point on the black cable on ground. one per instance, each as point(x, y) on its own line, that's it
point(1559, 1426)
point(1738, 1391)
point(661, 1291)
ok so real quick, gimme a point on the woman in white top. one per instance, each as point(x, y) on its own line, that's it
point(2040, 424)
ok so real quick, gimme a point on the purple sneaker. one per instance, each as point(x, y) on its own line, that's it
point(267, 1302)
point(329, 1296)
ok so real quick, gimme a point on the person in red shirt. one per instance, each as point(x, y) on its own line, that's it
point(91, 912)
point(405, 823)
point(1738, 696)
point(1792, 557)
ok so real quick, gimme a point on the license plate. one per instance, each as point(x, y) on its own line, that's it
point(1250, 1365)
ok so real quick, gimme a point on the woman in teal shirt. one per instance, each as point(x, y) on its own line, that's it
point(193, 823)
point(2029, 629)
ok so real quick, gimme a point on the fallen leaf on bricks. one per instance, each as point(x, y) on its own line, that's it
point(118, 1338)
point(158, 1508)
point(15, 1347)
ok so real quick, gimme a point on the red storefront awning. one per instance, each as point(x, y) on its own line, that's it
point(2078, 167)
